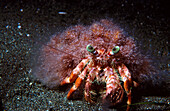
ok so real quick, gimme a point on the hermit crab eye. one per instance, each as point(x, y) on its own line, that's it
point(90, 48)
point(115, 50)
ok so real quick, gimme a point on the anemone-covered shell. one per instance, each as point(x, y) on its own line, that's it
point(64, 51)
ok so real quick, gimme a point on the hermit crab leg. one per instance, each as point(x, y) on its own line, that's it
point(79, 79)
point(75, 72)
point(114, 90)
point(126, 78)
point(91, 76)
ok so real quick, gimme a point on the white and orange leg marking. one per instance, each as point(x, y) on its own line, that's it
point(80, 79)
point(75, 72)
point(114, 90)
point(126, 78)
point(91, 76)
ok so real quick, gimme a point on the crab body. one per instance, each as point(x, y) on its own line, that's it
point(102, 68)
point(100, 53)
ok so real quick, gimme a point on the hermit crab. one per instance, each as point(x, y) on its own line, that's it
point(97, 54)
point(113, 73)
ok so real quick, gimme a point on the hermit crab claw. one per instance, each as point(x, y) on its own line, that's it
point(114, 97)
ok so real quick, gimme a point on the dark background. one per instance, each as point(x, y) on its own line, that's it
point(27, 25)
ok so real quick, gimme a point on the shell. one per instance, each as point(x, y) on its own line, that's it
point(64, 51)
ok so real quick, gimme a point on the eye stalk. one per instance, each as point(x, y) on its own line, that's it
point(115, 50)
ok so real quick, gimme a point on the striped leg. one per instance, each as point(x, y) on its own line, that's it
point(79, 80)
point(126, 77)
point(91, 76)
point(75, 72)
point(114, 91)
